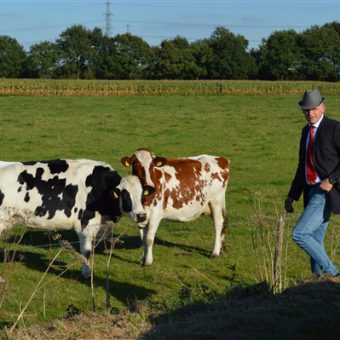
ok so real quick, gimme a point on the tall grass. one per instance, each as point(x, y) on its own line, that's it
point(265, 232)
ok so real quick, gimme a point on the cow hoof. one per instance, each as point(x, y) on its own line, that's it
point(145, 264)
point(86, 272)
point(84, 279)
point(214, 256)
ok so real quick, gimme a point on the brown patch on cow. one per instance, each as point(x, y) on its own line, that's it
point(190, 188)
point(155, 175)
point(207, 167)
point(167, 177)
point(216, 176)
point(224, 164)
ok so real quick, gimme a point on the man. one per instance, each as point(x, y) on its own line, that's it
point(318, 177)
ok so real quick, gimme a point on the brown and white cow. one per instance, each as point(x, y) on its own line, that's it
point(184, 188)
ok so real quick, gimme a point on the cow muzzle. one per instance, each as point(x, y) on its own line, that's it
point(141, 218)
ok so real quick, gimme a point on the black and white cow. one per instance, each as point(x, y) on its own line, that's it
point(60, 195)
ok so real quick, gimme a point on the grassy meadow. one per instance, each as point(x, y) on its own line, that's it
point(260, 135)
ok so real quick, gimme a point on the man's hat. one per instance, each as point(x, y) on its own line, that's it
point(311, 99)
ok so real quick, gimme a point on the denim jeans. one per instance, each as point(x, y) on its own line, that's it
point(310, 231)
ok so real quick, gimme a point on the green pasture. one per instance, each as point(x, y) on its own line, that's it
point(260, 135)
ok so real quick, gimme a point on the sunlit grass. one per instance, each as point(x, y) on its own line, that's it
point(260, 134)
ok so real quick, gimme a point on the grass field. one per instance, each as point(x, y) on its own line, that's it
point(260, 135)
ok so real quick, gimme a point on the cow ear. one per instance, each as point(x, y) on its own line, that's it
point(115, 193)
point(126, 161)
point(148, 190)
point(159, 161)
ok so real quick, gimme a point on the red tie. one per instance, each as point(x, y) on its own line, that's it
point(310, 169)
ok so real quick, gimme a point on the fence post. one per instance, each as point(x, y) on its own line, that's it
point(277, 282)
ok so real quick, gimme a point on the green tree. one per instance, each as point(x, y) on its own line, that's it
point(133, 56)
point(42, 60)
point(320, 47)
point(230, 59)
point(76, 53)
point(203, 56)
point(174, 59)
point(279, 56)
point(12, 57)
point(103, 64)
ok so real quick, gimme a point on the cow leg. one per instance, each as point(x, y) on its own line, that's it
point(224, 229)
point(220, 227)
point(144, 235)
point(148, 240)
point(85, 249)
point(141, 233)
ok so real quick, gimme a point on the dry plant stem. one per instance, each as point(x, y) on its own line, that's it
point(34, 292)
point(107, 278)
point(277, 265)
point(92, 286)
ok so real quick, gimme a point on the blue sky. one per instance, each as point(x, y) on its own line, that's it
point(31, 22)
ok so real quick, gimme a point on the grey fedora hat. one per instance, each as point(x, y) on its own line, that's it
point(311, 99)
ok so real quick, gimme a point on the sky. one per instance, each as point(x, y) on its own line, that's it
point(31, 22)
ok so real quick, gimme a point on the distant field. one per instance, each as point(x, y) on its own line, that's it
point(260, 135)
point(163, 87)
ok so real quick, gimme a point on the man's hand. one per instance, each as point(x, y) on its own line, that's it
point(325, 185)
point(289, 205)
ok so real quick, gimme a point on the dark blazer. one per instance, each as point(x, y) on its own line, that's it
point(326, 157)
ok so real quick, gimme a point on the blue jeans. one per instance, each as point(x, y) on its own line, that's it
point(310, 231)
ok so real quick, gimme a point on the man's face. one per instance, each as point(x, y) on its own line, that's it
point(313, 115)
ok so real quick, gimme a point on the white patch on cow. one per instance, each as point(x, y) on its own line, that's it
point(171, 171)
point(133, 186)
point(145, 158)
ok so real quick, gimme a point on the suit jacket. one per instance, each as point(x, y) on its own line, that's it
point(326, 157)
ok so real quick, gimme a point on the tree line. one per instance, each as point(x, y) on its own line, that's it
point(81, 53)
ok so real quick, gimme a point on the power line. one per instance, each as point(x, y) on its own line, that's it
point(159, 23)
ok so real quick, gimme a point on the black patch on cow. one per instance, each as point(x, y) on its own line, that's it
point(126, 201)
point(27, 197)
point(29, 163)
point(102, 180)
point(20, 188)
point(55, 194)
point(2, 196)
point(75, 210)
point(80, 214)
point(56, 166)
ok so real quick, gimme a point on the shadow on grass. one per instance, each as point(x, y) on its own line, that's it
point(122, 291)
point(39, 261)
point(184, 247)
point(307, 311)
point(134, 242)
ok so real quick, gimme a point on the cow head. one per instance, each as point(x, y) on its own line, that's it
point(144, 164)
point(130, 193)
